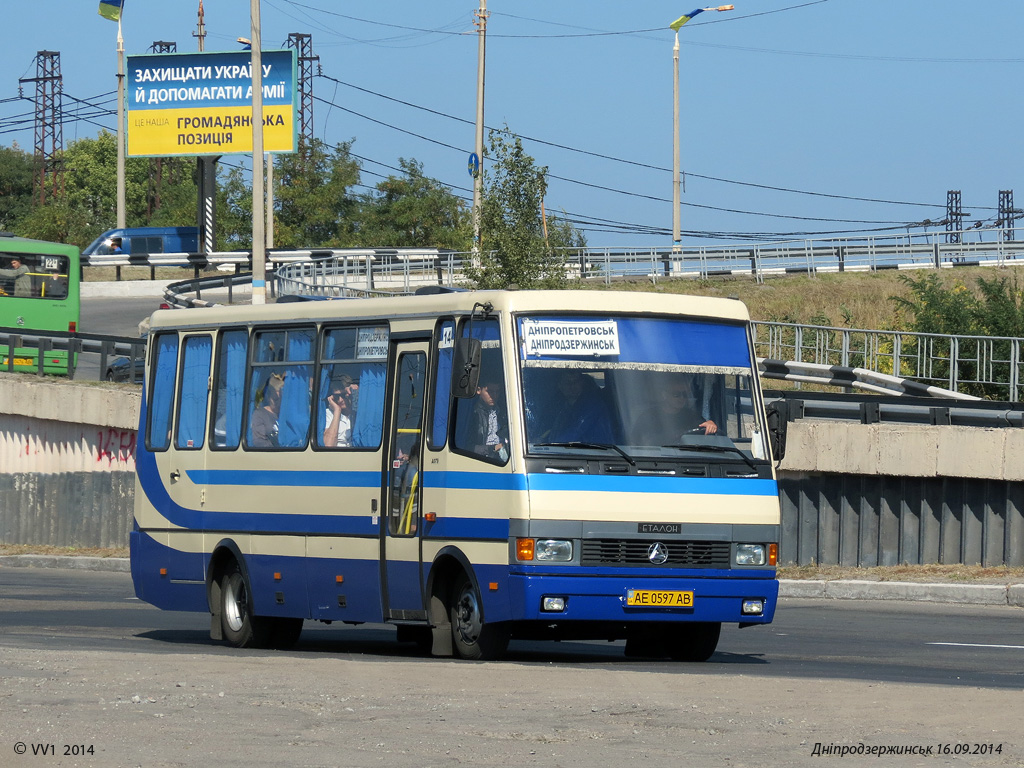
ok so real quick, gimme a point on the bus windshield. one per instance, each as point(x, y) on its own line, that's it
point(641, 386)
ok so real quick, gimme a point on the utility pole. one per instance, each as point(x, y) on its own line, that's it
point(1007, 214)
point(676, 194)
point(478, 178)
point(121, 187)
point(954, 217)
point(303, 45)
point(206, 170)
point(49, 133)
point(259, 242)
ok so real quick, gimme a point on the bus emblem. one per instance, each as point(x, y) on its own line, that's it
point(657, 553)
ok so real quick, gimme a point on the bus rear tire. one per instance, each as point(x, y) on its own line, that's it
point(694, 641)
point(241, 628)
point(472, 639)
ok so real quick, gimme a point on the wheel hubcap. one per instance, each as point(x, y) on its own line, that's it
point(467, 616)
point(234, 603)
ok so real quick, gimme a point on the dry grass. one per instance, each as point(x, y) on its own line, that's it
point(962, 574)
point(31, 549)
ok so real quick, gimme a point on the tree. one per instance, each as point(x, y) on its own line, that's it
point(313, 197)
point(414, 211)
point(513, 246)
point(15, 185)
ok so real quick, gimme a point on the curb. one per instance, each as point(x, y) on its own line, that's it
point(135, 288)
point(118, 564)
point(855, 589)
point(840, 589)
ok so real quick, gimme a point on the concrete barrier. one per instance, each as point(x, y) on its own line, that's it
point(851, 494)
point(67, 461)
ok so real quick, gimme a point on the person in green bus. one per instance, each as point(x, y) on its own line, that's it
point(18, 273)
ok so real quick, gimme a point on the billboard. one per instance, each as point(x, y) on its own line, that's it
point(201, 103)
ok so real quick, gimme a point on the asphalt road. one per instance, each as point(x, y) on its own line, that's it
point(897, 642)
point(89, 676)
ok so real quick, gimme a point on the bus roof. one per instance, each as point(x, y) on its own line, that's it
point(13, 244)
point(462, 302)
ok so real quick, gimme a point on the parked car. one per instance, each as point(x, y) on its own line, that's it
point(121, 368)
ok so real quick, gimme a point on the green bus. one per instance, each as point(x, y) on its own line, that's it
point(39, 286)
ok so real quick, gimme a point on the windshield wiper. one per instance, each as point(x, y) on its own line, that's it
point(580, 444)
point(715, 449)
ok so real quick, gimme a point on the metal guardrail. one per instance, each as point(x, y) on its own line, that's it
point(859, 378)
point(75, 343)
point(990, 247)
point(989, 365)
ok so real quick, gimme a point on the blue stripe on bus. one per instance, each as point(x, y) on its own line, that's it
point(720, 486)
point(475, 481)
point(466, 528)
point(283, 477)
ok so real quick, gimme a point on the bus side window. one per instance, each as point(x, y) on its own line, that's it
point(481, 422)
point(192, 398)
point(229, 394)
point(161, 394)
point(437, 436)
point(290, 357)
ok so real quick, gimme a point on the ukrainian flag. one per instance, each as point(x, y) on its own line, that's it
point(111, 9)
point(675, 25)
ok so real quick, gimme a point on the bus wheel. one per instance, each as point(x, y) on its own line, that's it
point(471, 637)
point(241, 628)
point(693, 642)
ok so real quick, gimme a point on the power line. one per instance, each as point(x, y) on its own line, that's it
point(635, 163)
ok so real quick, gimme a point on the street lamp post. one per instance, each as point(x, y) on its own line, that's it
point(676, 171)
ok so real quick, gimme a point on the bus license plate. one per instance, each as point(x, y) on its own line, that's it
point(659, 598)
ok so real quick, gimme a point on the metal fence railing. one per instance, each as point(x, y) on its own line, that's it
point(984, 366)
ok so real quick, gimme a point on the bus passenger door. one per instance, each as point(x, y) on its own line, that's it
point(401, 525)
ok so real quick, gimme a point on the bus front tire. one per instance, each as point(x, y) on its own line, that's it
point(472, 638)
point(695, 641)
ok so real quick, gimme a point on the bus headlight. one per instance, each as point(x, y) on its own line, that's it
point(553, 550)
point(750, 554)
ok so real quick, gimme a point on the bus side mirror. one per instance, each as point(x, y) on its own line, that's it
point(466, 368)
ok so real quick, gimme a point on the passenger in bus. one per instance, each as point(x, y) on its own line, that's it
point(264, 418)
point(675, 412)
point(340, 412)
point(18, 273)
point(581, 413)
point(490, 420)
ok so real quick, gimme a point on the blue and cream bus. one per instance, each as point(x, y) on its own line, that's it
point(549, 464)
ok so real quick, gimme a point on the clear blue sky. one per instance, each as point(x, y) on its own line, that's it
point(897, 101)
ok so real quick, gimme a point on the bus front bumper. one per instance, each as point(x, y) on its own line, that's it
point(644, 598)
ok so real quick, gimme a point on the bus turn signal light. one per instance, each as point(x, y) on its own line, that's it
point(524, 549)
point(773, 554)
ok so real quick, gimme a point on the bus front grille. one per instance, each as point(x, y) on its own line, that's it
point(681, 554)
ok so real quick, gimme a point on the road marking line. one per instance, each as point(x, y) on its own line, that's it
point(980, 645)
